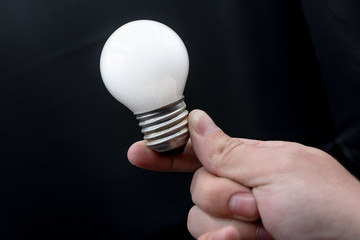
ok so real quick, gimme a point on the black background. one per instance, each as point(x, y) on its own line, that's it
point(265, 69)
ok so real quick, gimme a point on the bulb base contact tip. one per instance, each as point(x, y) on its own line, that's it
point(166, 129)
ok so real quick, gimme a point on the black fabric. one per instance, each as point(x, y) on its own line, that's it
point(265, 69)
point(335, 31)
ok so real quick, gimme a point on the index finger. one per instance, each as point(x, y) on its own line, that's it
point(144, 157)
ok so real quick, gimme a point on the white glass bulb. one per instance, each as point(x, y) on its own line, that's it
point(144, 64)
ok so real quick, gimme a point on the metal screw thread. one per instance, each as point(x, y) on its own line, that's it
point(166, 129)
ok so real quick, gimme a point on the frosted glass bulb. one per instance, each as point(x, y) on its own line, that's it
point(144, 65)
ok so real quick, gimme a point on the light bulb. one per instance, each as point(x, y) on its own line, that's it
point(144, 64)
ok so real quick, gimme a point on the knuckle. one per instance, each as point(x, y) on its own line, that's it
point(204, 189)
point(293, 149)
point(294, 154)
point(208, 197)
point(317, 152)
point(195, 180)
point(190, 219)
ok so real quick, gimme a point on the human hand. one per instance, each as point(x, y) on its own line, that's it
point(301, 192)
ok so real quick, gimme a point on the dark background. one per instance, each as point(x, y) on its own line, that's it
point(265, 69)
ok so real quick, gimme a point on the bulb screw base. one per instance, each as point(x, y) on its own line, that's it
point(166, 129)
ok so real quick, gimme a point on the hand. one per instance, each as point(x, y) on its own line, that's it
point(301, 192)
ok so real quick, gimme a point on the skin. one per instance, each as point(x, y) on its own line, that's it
point(297, 192)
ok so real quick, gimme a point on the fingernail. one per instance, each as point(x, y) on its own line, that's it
point(262, 234)
point(202, 123)
point(243, 205)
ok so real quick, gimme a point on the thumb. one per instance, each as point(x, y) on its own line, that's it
point(223, 156)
